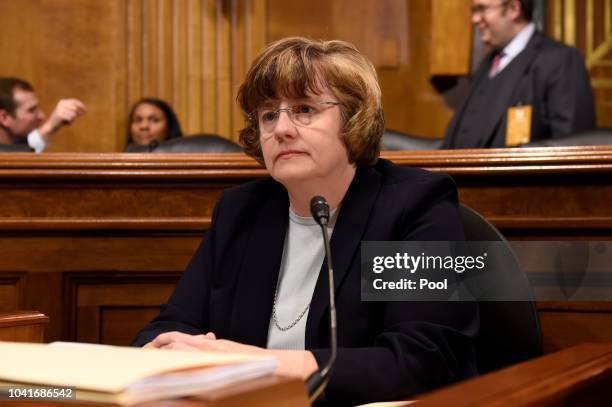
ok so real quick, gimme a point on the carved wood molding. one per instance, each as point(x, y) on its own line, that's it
point(11, 278)
point(65, 166)
point(86, 308)
point(114, 189)
point(17, 318)
point(575, 306)
point(162, 225)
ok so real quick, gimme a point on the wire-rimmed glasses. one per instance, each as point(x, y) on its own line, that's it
point(301, 114)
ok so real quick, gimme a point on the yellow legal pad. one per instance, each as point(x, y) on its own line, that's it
point(126, 375)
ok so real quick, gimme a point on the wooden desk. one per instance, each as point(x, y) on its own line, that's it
point(97, 241)
point(22, 326)
point(579, 376)
point(263, 392)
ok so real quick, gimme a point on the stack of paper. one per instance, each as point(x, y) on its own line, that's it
point(124, 375)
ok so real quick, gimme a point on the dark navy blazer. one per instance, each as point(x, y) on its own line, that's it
point(386, 350)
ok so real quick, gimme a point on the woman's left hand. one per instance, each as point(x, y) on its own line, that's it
point(290, 362)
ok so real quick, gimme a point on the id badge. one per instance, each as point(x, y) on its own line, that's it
point(518, 128)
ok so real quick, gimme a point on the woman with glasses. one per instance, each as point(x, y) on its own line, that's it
point(314, 119)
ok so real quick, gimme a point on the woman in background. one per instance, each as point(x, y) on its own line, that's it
point(152, 120)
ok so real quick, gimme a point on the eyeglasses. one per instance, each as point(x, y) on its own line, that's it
point(301, 114)
point(481, 9)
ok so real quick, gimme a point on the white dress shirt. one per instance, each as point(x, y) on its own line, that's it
point(515, 47)
point(303, 255)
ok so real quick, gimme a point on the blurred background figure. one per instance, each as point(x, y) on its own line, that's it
point(22, 121)
point(151, 122)
point(529, 88)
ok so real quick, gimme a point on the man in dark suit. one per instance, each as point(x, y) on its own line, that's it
point(528, 88)
point(22, 124)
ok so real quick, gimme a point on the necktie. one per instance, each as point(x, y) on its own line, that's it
point(495, 65)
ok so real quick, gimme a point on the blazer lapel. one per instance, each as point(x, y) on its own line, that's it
point(346, 240)
point(508, 88)
point(259, 271)
point(452, 138)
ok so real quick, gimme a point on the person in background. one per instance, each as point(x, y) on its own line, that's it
point(528, 88)
point(152, 120)
point(22, 122)
point(255, 285)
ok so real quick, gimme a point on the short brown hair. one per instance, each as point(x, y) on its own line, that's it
point(295, 66)
point(7, 88)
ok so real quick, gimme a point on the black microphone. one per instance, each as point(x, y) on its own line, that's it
point(318, 380)
point(153, 144)
point(319, 210)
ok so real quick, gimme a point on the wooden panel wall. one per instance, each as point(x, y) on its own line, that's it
point(111, 308)
point(70, 48)
point(451, 38)
point(394, 34)
point(11, 289)
point(587, 24)
point(194, 54)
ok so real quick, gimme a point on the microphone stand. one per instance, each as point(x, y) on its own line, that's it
point(318, 380)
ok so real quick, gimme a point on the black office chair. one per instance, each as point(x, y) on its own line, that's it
point(395, 141)
point(509, 330)
point(595, 137)
point(15, 148)
point(141, 148)
point(201, 143)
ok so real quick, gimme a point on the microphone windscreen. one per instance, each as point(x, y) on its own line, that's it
point(319, 209)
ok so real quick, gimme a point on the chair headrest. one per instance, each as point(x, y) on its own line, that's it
point(141, 148)
point(595, 137)
point(15, 148)
point(202, 143)
point(395, 141)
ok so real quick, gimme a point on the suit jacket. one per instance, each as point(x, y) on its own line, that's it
point(549, 76)
point(16, 148)
point(386, 350)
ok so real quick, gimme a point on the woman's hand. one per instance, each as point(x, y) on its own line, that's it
point(178, 340)
point(299, 363)
point(208, 342)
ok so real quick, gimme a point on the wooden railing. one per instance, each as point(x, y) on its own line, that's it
point(579, 376)
point(22, 326)
point(97, 241)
